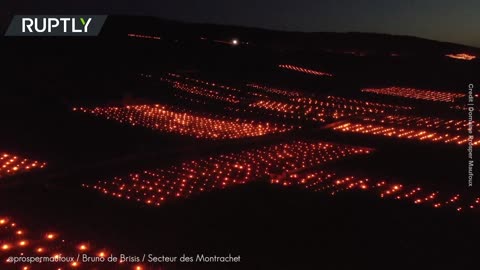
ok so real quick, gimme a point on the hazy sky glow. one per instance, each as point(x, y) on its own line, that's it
point(444, 20)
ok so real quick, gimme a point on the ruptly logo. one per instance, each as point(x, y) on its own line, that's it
point(56, 25)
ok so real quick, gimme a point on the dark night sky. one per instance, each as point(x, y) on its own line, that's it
point(445, 20)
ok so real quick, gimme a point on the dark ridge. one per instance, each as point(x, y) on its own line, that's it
point(285, 40)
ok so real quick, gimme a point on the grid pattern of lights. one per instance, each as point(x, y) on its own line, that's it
point(413, 93)
point(158, 186)
point(162, 119)
point(462, 56)
point(305, 70)
point(11, 164)
point(329, 182)
point(290, 110)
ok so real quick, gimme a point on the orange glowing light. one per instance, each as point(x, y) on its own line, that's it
point(23, 243)
point(102, 254)
point(462, 56)
point(305, 70)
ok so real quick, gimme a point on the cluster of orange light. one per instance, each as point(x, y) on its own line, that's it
point(10, 165)
point(143, 36)
point(413, 93)
point(322, 181)
point(222, 171)
point(462, 56)
point(305, 70)
point(404, 133)
point(19, 241)
point(163, 119)
point(280, 92)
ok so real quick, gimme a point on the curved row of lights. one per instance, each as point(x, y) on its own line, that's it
point(164, 119)
point(199, 94)
point(19, 241)
point(212, 94)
